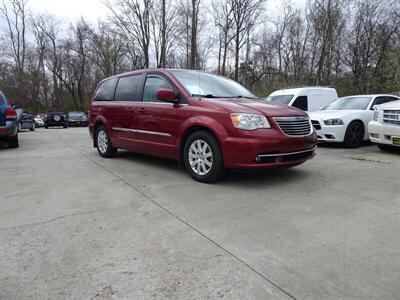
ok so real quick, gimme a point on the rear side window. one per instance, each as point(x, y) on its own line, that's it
point(105, 92)
point(128, 88)
point(301, 102)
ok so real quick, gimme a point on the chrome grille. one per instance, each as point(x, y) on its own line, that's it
point(391, 117)
point(294, 126)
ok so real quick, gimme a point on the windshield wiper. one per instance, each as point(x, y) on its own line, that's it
point(240, 96)
point(206, 96)
point(247, 97)
point(226, 97)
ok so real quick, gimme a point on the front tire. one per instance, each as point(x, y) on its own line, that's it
point(103, 143)
point(354, 135)
point(32, 128)
point(203, 157)
point(13, 142)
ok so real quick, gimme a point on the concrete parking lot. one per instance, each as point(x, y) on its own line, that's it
point(76, 226)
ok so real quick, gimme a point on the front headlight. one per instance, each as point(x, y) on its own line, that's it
point(376, 113)
point(249, 121)
point(336, 121)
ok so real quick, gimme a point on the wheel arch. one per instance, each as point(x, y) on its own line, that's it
point(99, 122)
point(358, 120)
point(189, 131)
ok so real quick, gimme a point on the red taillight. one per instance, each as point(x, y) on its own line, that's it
point(10, 113)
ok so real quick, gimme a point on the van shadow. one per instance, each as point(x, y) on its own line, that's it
point(246, 179)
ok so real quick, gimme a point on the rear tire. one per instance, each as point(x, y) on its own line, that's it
point(203, 157)
point(103, 143)
point(354, 135)
point(32, 128)
point(13, 142)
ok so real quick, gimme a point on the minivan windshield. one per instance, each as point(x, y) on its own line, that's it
point(283, 99)
point(357, 103)
point(204, 85)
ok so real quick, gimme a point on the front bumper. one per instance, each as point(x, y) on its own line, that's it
point(383, 134)
point(273, 150)
point(55, 123)
point(78, 123)
point(335, 133)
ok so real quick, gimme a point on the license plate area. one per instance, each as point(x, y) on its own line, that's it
point(396, 141)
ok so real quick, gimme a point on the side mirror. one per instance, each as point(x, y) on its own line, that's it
point(166, 95)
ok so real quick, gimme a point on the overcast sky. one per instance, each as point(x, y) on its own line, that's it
point(72, 10)
point(92, 10)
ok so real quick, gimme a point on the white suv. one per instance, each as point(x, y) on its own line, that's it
point(384, 130)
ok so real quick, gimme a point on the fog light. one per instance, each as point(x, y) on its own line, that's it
point(330, 136)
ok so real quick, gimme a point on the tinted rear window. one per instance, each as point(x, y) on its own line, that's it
point(105, 91)
point(128, 88)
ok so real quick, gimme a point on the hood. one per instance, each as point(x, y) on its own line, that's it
point(243, 105)
point(329, 114)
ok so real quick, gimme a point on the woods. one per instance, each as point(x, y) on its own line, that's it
point(353, 45)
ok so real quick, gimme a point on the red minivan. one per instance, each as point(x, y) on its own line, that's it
point(207, 122)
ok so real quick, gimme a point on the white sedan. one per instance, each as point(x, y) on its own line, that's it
point(345, 120)
point(39, 122)
point(384, 130)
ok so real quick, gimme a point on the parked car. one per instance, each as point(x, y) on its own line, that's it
point(384, 129)
point(38, 121)
point(54, 118)
point(8, 122)
point(307, 98)
point(346, 119)
point(26, 122)
point(77, 118)
point(207, 122)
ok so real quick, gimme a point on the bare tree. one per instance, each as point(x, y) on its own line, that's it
point(13, 13)
point(245, 13)
point(134, 16)
point(223, 19)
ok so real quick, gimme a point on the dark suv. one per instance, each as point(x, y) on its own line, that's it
point(8, 123)
point(55, 117)
point(207, 122)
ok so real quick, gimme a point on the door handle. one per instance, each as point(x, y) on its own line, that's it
point(141, 110)
point(130, 109)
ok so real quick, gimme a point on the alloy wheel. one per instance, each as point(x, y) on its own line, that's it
point(102, 141)
point(200, 157)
